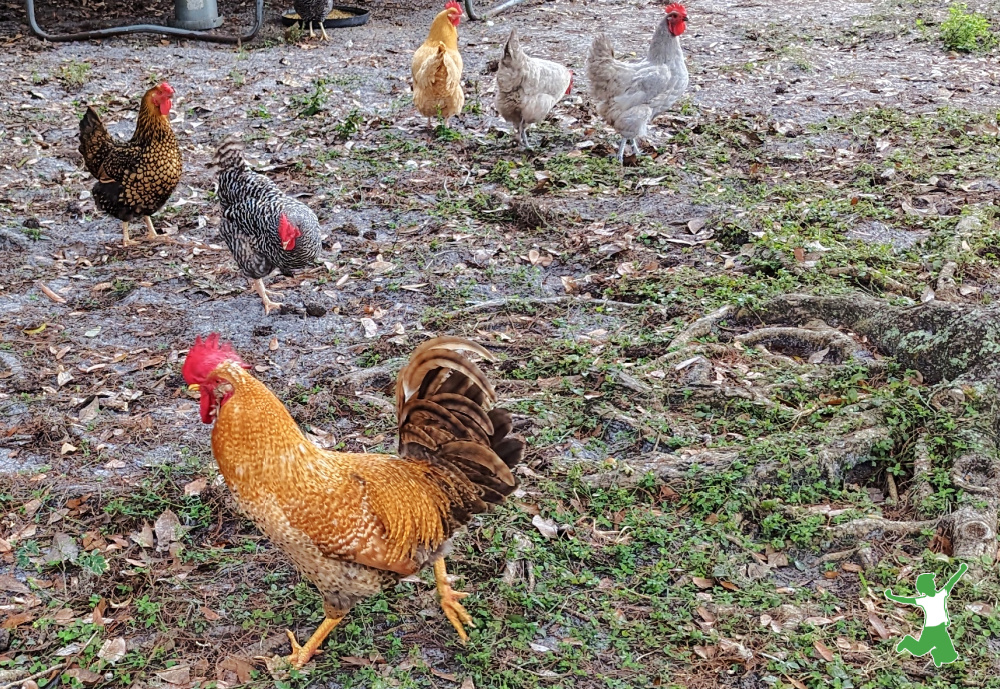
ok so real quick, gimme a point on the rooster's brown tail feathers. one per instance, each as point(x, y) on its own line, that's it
point(444, 405)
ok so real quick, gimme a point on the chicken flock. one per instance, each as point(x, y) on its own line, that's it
point(355, 523)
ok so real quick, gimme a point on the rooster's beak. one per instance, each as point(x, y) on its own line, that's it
point(194, 387)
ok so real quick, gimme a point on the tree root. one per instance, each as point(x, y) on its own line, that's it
point(702, 327)
point(942, 340)
point(816, 343)
point(873, 278)
point(522, 305)
point(861, 528)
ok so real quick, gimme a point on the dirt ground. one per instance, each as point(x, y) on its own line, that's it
point(830, 149)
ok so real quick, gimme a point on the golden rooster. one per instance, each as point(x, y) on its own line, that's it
point(136, 177)
point(354, 524)
point(437, 67)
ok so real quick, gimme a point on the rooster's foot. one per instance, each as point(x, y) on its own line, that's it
point(126, 240)
point(303, 654)
point(453, 609)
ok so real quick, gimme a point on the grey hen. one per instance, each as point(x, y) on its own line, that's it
point(528, 87)
point(629, 96)
point(263, 228)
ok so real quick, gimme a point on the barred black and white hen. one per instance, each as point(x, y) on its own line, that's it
point(263, 228)
point(313, 12)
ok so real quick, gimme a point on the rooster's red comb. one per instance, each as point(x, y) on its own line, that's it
point(166, 88)
point(676, 7)
point(205, 356)
point(452, 5)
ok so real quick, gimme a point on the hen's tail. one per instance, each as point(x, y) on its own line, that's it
point(94, 141)
point(230, 153)
point(446, 415)
point(600, 50)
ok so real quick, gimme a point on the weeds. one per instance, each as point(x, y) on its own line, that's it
point(966, 31)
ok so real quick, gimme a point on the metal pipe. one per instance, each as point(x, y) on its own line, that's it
point(144, 28)
point(474, 15)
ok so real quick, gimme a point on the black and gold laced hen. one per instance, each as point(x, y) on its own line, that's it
point(314, 11)
point(263, 228)
point(134, 178)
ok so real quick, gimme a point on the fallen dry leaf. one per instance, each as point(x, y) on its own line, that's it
point(176, 675)
point(195, 487)
point(168, 529)
point(112, 650)
point(703, 583)
point(9, 583)
point(824, 652)
point(83, 675)
point(546, 527)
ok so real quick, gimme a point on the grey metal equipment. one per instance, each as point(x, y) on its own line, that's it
point(196, 15)
point(191, 19)
point(493, 11)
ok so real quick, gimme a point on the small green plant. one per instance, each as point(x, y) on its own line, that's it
point(313, 103)
point(350, 126)
point(966, 31)
point(94, 562)
point(443, 132)
point(74, 74)
point(237, 77)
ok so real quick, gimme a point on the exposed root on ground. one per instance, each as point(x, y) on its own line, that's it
point(819, 342)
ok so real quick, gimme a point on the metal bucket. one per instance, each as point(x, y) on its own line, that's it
point(196, 15)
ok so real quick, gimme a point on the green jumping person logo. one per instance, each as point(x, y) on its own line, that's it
point(934, 637)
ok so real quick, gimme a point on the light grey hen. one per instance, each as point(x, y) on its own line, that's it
point(630, 95)
point(528, 87)
point(263, 228)
point(313, 11)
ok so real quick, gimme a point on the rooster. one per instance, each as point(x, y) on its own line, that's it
point(437, 68)
point(134, 178)
point(263, 228)
point(528, 87)
point(629, 96)
point(314, 11)
point(354, 524)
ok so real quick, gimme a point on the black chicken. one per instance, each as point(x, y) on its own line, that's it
point(263, 228)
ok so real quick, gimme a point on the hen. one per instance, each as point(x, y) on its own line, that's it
point(629, 96)
point(134, 178)
point(437, 67)
point(354, 524)
point(314, 11)
point(263, 228)
point(528, 87)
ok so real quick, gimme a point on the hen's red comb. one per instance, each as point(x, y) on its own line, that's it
point(166, 88)
point(676, 7)
point(452, 5)
point(205, 356)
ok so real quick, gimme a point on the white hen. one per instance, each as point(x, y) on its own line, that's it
point(528, 87)
point(628, 95)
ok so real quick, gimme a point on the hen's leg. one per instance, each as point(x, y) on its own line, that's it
point(522, 131)
point(125, 238)
point(322, 29)
point(311, 34)
point(303, 654)
point(621, 151)
point(453, 610)
point(269, 305)
point(635, 148)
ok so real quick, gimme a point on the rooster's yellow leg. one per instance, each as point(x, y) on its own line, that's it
point(269, 305)
point(322, 28)
point(126, 241)
point(303, 654)
point(453, 610)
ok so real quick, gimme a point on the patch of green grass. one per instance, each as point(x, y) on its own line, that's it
point(966, 31)
point(74, 74)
